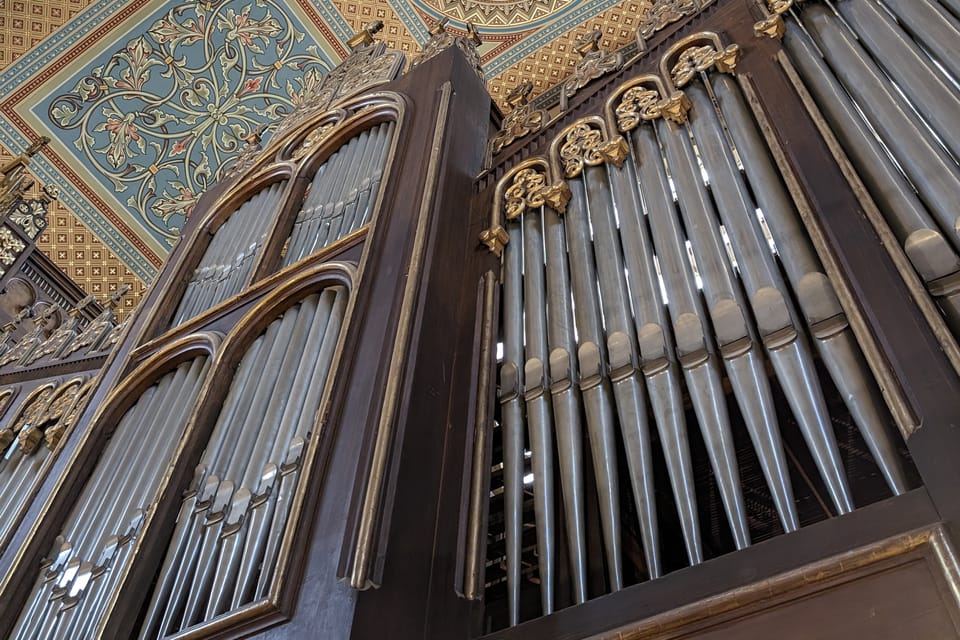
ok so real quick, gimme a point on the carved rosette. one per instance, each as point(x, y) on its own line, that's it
point(521, 121)
point(530, 191)
point(697, 59)
point(584, 145)
point(441, 40)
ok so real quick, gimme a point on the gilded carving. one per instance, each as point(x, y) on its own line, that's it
point(441, 40)
point(530, 191)
point(94, 333)
point(638, 104)
point(584, 145)
point(10, 247)
point(522, 120)
point(697, 59)
point(13, 180)
point(314, 139)
point(656, 16)
point(58, 340)
point(64, 411)
point(29, 415)
point(595, 62)
point(676, 107)
point(496, 238)
point(772, 26)
point(249, 153)
point(47, 320)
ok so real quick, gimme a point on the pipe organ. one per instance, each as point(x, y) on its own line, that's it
point(668, 350)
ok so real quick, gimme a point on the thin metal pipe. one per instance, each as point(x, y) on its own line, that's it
point(930, 94)
point(734, 333)
point(936, 176)
point(564, 398)
point(370, 197)
point(692, 341)
point(932, 26)
point(369, 168)
point(511, 388)
point(539, 416)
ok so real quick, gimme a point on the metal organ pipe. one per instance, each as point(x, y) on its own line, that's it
point(818, 302)
point(342, 193)
point(775, 317)
point(226, 265)
point(93, 549)
point(227, 537)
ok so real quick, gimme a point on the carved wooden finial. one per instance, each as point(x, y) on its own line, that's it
point(114, 300)
point(519, 95)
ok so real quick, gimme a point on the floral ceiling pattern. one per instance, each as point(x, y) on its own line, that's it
point(146, 100)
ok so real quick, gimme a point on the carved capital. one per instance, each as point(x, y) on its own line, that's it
point(495, 238)
point(697, 59)
point(676, 107)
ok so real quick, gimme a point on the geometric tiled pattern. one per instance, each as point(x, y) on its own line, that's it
point(24, 23)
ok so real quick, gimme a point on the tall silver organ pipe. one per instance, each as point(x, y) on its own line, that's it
point(343, 193)
point(93, 549)
point(889, 91)
point(228, 262)
point(671, 270)
point(226, 544)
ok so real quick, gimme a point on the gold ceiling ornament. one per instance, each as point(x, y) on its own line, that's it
point(584, 145)
point(594, 63)
point(661, 13)
point(529, 190)
point(521, 121)
point(441, 40)
point(696, 54)
point(772, 25)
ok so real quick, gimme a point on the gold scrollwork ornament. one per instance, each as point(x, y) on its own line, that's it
point(584, 146)
point(699, 59)
point(638, 104)
point(530, 191)
point(314, 139)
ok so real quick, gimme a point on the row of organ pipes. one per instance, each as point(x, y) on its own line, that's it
point(338, 202)
point(886, 78)
point(607, 320)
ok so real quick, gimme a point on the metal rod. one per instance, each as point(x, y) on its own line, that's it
point(511, 388)
point(932, 26)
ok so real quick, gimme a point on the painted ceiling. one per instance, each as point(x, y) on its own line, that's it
point(146, 100)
